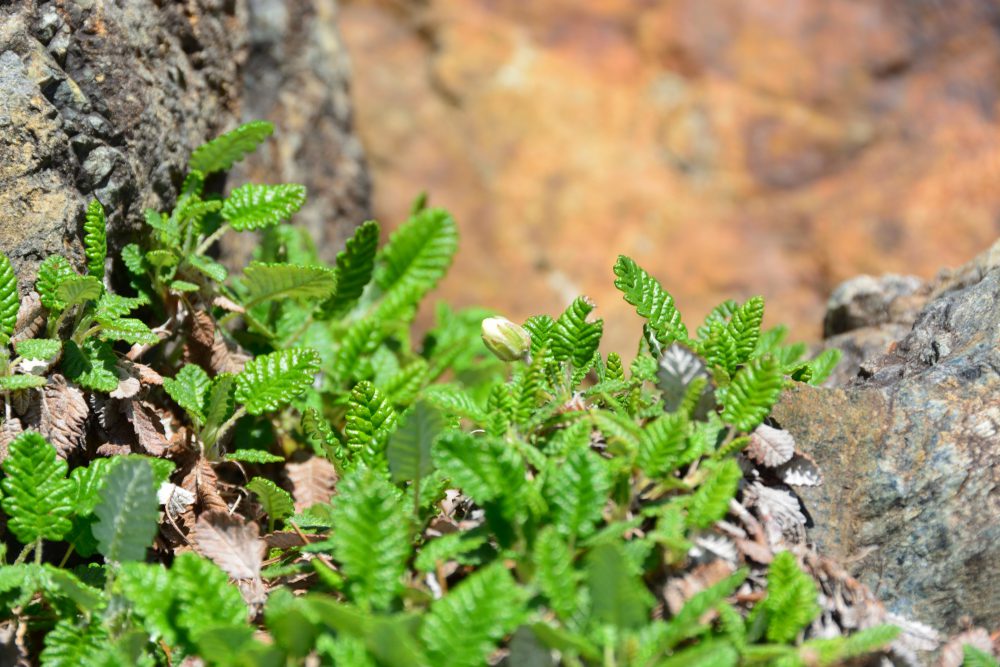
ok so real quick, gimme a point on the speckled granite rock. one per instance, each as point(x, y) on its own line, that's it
point(911, 454)
point(108, 99)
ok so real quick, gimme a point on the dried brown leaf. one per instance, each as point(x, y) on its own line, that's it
point(801, 470)
point(232, 543)
point(149, 426)
point(227, 357)
point(60, 415)
point(312, 481)
point(9, 429)
point(228, 304)
point(680, 590)
point(286, 539)
point(202, 329)
point(779, 512)
point(30, 318)
point(202, 481)
point(770, 446)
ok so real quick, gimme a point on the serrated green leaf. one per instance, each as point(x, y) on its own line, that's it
point(128, 512)
point(465, 626)
point(709, 653)
point(52, 272)
point(409, 447)
point(555, 574)
point(271, 381)
point(95, 239)
point(369, 421)
point(133, 259)
point(219, 407)
point(37, 495)
point(688, 621)
point(129, 329)
point(839, 650)
point(372, 538)
point(265, 282)
point(208, 267)
point(10, 300)
point(974, 657)
point(790, 605)
point(485, 469)
point(452, 400)
point(222, 152)
point(744, 327)
point(577, 491)
point(355, 265)
point(318, 430)
point(710, 501)
point(574, 338)
point(183, 286)
point(72, 643)
point(276, 501)
point(416, 257)
point(253, 456)
point(662, 445)
point(254, 206)
point(651, 301)
point(204, 597)
point(540, 328)
point(618, 597)
point(112, 306)
point(19, 382)
point(753, 392)
point(189, 389)
point(161, 258)
point(75, 290)
point(448, 547)
point(823, 365)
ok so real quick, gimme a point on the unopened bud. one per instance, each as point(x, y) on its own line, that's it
point(506, 340)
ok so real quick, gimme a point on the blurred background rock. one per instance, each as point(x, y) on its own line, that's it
point(772, 147)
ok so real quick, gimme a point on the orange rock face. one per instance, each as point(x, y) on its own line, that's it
point(732, 148)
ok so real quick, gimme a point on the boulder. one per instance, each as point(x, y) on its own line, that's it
point(910, 449)
point(107, 99)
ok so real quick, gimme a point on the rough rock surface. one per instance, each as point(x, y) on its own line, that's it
point(105, 99)
point(297, 76)
point(108, 99)
point(733, 147)
point(910, 449)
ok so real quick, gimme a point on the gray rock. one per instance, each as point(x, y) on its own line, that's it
point(108, 99)
point(911, 454)
point(297, 76)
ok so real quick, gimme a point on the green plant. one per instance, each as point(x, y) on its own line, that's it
point(380, 500)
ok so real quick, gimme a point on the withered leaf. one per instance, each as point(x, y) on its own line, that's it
point(9, 429)
point(202, 481)
point(232, 543)
point(30, 318)
point(680, 590)
point(228, 304)
point(60, 415)
point(312, 481)
point(779, 513)
point(801, 470)
point(149, 426)
point(202, 329)
point(770, 446)
point(227, 357)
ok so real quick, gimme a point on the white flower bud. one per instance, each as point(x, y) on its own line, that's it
point(506, 340)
